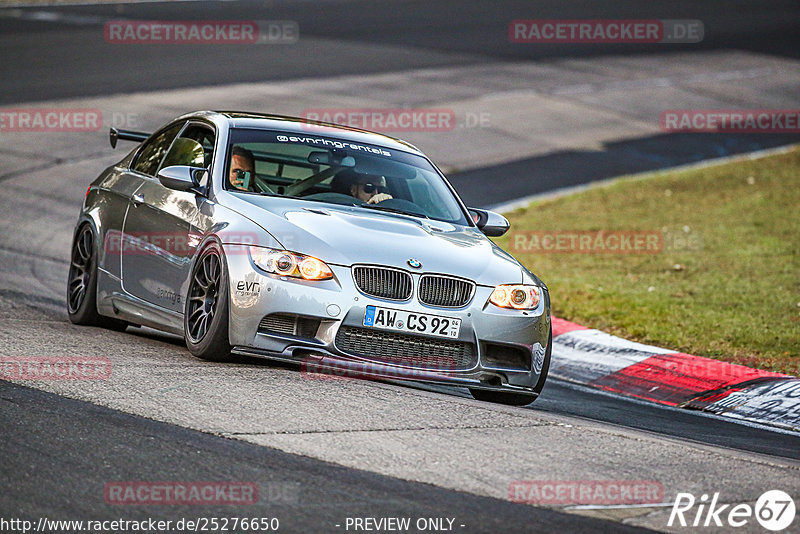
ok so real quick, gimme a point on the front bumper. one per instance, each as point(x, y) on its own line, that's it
point(498, 349)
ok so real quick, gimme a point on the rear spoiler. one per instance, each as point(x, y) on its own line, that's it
point(125, 135)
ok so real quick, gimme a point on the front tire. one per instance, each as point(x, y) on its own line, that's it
point(205, 318)
point(82, 284)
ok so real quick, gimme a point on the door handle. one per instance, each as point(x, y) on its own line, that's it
point(138, 198)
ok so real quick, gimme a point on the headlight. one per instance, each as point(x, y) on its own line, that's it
point(517, 297)
point(285, 263)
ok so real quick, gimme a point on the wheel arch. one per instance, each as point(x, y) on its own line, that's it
point(207, 240)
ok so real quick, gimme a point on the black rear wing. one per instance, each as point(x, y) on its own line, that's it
point(126, 135)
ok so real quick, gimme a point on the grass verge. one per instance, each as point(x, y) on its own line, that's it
point(721, 278)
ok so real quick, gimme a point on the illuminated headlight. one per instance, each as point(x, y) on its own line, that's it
point(516, 296)
point(285, 263)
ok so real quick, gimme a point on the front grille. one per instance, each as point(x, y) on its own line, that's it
point(384, 283)
point(445, 291)
point(293, 325)
point(401, 349)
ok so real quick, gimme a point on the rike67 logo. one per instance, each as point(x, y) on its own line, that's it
point(774, 510)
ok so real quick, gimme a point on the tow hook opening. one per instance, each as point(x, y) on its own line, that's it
point(493, 380)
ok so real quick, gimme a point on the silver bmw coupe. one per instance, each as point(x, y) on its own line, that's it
point(345, 251)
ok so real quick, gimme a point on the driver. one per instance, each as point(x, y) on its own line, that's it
point(368, 188)
point(242, 162)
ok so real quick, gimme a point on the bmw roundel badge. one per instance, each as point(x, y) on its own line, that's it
point(414, 263)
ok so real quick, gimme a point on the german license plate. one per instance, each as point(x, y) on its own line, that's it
point(412, 322)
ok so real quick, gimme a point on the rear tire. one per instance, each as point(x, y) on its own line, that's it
point(205, 318)
point(82, 284)
point(518, 399)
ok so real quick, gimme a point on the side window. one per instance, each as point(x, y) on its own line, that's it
point(153, 152)
point(194, 147)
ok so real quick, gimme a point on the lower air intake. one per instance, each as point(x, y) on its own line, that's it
point(287, 324)
point(401, 349)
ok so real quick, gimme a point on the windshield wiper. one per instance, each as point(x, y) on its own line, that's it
point(393, 210)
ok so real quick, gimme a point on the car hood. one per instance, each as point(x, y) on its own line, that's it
point(343, 235)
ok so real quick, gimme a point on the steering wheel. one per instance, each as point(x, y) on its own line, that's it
point(303, 185)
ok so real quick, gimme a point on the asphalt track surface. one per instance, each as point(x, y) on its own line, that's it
point(361, 38)
point(94, 445)
point(58, 452)
point(344, 37)
point(570, 168)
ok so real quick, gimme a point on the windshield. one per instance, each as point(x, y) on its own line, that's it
point(326, 169)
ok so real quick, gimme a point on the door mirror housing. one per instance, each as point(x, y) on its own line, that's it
point(180, 177)
point(489, 222)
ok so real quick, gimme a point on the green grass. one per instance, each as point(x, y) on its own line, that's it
point(728, 287)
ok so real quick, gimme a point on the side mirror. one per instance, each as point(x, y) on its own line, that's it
point(179, 177)
point(489, 222)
